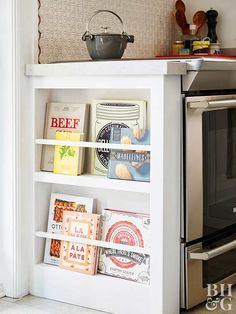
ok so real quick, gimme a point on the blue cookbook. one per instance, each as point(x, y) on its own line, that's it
point(129, 164)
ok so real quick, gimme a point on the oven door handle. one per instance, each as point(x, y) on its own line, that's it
point(214, 104)
point(207, 255)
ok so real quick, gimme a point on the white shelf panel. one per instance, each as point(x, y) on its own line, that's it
point(92, 181)
point(98, 243)
point(100, 292)
point(93, 144)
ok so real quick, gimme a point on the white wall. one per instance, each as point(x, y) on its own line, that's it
point(63, 24)
point(16, 27)
point(7, 149)
point(226, 27)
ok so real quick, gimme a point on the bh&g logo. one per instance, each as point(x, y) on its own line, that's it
point(224, 297)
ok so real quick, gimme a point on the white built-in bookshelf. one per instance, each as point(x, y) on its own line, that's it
point(160, 198)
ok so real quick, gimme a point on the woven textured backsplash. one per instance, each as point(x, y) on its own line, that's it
point(63, 22)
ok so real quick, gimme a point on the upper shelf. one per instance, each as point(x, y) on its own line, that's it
point(108, 68)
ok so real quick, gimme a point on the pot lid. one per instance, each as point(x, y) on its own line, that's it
point(107, 33)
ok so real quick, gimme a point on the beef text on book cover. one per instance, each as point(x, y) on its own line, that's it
point(62, 117)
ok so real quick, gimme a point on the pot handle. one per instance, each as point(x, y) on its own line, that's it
point(88, 33)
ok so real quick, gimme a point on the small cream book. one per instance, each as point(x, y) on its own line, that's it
point(62, 117)
point(78, 257)
point(58, 204)
point(68, 159)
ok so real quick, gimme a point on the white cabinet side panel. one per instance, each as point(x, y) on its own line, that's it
point(156, 196)
point(171, 195)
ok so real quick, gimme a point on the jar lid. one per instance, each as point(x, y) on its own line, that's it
point(215, 44)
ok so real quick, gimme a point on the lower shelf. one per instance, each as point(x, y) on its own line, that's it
point(99, 292)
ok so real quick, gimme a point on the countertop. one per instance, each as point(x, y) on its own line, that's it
point(115, 67)
point(156, 66)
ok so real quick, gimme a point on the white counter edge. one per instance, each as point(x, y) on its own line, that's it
point(108, 68)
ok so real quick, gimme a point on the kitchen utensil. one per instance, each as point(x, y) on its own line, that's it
point(182, 22)
point(180, 6)
point(106, 45)
point(199, 19)
point(211, 22)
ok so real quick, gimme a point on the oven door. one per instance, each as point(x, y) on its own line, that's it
point(210, 178)
point(209, 262)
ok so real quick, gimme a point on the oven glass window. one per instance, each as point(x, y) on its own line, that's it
point(219, 267)
point(219, 169)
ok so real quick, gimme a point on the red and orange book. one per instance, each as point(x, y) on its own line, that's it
point(75, 256)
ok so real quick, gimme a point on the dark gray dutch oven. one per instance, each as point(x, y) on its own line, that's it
point(106, 45)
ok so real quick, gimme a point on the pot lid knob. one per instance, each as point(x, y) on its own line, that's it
point(105, 28)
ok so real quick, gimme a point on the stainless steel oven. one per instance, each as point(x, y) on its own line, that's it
point(209, 221)
point(210, 261)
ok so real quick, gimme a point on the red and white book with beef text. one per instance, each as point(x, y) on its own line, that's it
point(67, 117)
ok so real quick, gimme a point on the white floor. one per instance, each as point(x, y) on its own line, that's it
point(34, 305)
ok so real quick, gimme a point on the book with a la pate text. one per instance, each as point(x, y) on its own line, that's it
point(68, 117)
point(68, 159)
point(78, 257)
point(58, 204)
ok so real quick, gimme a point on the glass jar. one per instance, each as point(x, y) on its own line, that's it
point(189, 39)
point(178, 44)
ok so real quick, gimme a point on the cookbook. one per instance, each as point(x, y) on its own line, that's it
point(129, 164)
point(75, 256)
point(107, 114)
point(58, 204)
point(68, 159)
point(130, 229)
point(62, 117)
